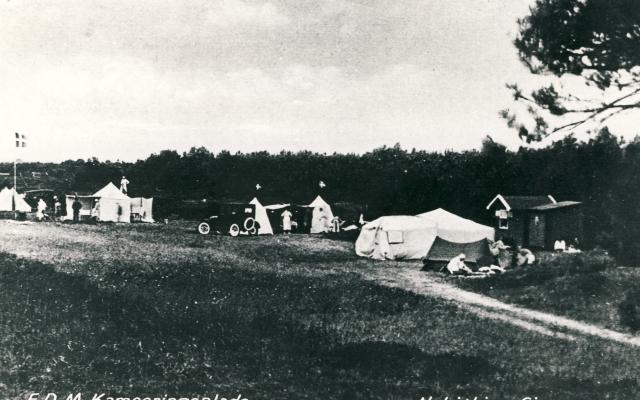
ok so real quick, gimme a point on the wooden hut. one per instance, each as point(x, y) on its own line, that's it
point(536, 221)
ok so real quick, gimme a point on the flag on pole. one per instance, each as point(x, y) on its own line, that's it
point(21, 140)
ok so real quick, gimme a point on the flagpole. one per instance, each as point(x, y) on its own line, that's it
point(15, 191)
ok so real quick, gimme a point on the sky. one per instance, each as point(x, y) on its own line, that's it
point(120, 80)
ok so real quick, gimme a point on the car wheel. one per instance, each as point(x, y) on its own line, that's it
point(204, 228)
point(250, 226)
point(234, 230)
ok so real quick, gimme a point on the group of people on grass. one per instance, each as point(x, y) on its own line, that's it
point(560, 246)
point(500, 259)
point(41, 208)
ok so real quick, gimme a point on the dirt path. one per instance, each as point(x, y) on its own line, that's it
point(413, 280)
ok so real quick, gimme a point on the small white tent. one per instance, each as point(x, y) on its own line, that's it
point(9, 197)
point(142, 209)
point(321, 220)
point(396, 237)
point(114, 206)
point(454, 228)
point(262, 218)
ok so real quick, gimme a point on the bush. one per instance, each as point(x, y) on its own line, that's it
point(581, 263)
point(629, 310)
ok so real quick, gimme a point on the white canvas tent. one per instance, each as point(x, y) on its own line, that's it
point(262, 218)
point(396, 237)
point(454, 228)
point(322, 216)
point(142, 209)
point(9, 197)
point(115, 206)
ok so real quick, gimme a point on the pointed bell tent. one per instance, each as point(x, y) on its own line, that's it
point(114, 206)
point(9, 199)
point(262, 218)
point(321, 217)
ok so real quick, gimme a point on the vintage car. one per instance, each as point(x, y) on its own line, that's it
point(232, 219)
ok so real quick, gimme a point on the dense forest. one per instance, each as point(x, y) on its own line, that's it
point(604, 173)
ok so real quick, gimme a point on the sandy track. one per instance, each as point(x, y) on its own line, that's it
point(413, 280)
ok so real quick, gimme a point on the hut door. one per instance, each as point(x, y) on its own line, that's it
point(536, 230)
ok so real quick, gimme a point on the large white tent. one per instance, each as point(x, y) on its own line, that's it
point(322, 217)
point(9, 197)
point(457, 235)
point(115, 206)
point(396, 237)
point(454, 228)
point(262, 218)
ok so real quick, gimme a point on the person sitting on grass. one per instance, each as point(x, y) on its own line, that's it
point(559, 246)
point(457, 266)
point(525, 257)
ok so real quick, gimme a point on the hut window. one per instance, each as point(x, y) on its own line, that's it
point(503, 223)
point(395, 237)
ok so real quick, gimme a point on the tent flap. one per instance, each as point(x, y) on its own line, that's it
point(443, 250)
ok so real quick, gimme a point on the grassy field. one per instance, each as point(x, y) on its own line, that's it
point(154, 310)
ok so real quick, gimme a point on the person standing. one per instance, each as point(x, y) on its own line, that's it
point(95, 212)
point(76, 206)
point(57, 208)
point(124, 182)
point(40, 209)
point(286, 221)
point(337, 223)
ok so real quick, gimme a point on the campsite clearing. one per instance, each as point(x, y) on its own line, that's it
point(155, 309)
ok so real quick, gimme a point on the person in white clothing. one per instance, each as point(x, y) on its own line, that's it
point(559, 246)
point(457, 266)
point(286, 221)
point(40, 209)
point(123, 184)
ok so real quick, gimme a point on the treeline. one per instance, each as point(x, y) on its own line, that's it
point(604, 173)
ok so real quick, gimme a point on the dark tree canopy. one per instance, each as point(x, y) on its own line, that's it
point(598, 40)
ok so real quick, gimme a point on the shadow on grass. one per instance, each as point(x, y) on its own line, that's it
point(191, 330)
point(393, 360)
